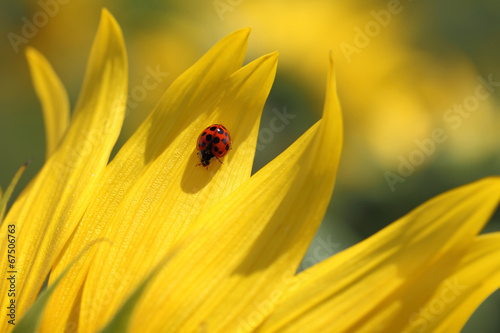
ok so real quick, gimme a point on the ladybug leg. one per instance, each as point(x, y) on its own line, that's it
point(201, 164)
point(219, 160)
point(206, 166)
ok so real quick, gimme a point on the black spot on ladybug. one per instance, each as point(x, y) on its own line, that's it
point(202, 144)
point(209, 137)
point(213, 128)
point(226, 134)
point(224, 141)
point(227, 147)
point(216, 140)
point(216, 149)
point(220, 130)
point(203, 134)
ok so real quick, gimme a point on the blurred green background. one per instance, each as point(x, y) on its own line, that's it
point(403, 70)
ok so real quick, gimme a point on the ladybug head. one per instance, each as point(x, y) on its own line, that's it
point(205, 157)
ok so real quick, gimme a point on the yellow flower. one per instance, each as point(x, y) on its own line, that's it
point(188, 249)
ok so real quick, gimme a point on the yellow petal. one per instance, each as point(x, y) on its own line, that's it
point(163, 151)
point(53, 97)
point(4, 197)
point(60, 193)
point(30, 321)
point(121, 319)
point(174, 190)
point(476, 276)
point(251, 242)
point(380, 282)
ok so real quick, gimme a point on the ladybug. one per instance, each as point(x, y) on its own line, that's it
point(214, 141)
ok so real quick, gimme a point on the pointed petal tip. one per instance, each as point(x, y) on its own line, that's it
point(238, 36)
point(244, 32)
point(331, 69)
point(106, 15)
point(332, 59)
point(269, 62)
point(332, 123)
point(109, 44)
point(33, 55)
point(332, 103)
point(108, 20)
point(31, 52)
point(271, 57)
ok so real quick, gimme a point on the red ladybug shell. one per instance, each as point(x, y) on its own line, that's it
point(214, 141)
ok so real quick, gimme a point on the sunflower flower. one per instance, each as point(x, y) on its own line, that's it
point(188, 249)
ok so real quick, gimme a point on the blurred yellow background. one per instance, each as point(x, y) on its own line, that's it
point(419, 83)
